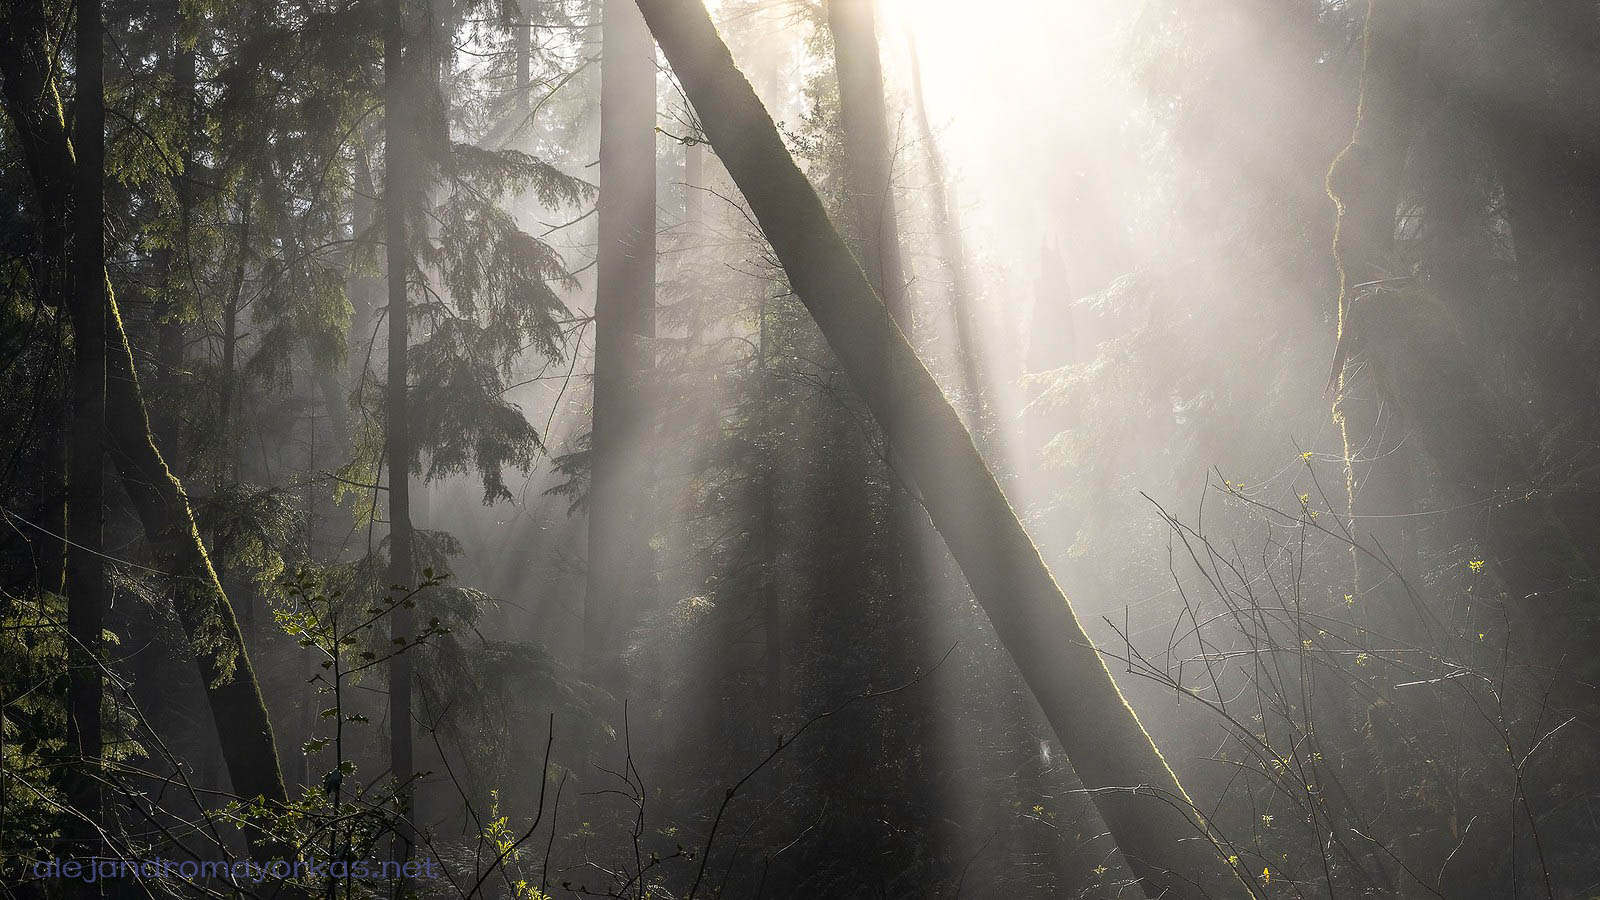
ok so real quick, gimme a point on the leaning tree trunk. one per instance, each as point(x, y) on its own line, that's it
point(624, 324)
point(1147, 811)
point(243, 728)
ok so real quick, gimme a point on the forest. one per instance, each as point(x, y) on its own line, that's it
point(696, 449)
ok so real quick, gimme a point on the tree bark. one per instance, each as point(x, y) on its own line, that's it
point(243, 728)
point(208, 619)
point(86, 575)
point(910, 547)
point(401, 194)
point(868, 153)
point(1364, 183)
point(624, 325)
point(874, 235)
point(1422, 357)
point(1144, 806)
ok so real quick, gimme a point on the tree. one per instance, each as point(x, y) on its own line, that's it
point(868, 151)
point(401, 196)
point(1420, 350)
point(86, 575)
point(624, 327)
point(1364, 183)
point(234, 696)
point(1141, 800)
point(871, 211)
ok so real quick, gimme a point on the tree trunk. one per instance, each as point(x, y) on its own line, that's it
point(1423, 358)
point(208, 619)
point(86, 575)
point(874, 235)
point(868, 153)
point(1146, 809)
point(624, 325)
point(401, 194)
point(1364, 184)
point(243, 728)
point(872, 211)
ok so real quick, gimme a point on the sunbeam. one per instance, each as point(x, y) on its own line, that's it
point(677, 449)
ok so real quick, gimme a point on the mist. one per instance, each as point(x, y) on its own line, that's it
point(799, 448)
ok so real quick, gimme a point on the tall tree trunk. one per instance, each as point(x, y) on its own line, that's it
point(624, 326)
point(871, 210)
point(868, 152)
point(1364, 183)
point(1144, 806)
point(874, 231)
point(1382, 481)
point(86, 575)
point(243, 727)
point(1422, 357)
point(401, 194)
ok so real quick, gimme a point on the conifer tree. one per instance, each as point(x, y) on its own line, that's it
point(624, 326)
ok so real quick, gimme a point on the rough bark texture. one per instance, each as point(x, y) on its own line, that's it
point(243, 727)
point(624, 324)
point(1144, 806)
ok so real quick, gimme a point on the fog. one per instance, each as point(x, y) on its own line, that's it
point(932, 449)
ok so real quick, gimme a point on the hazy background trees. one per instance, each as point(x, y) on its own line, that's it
point(456, 425)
